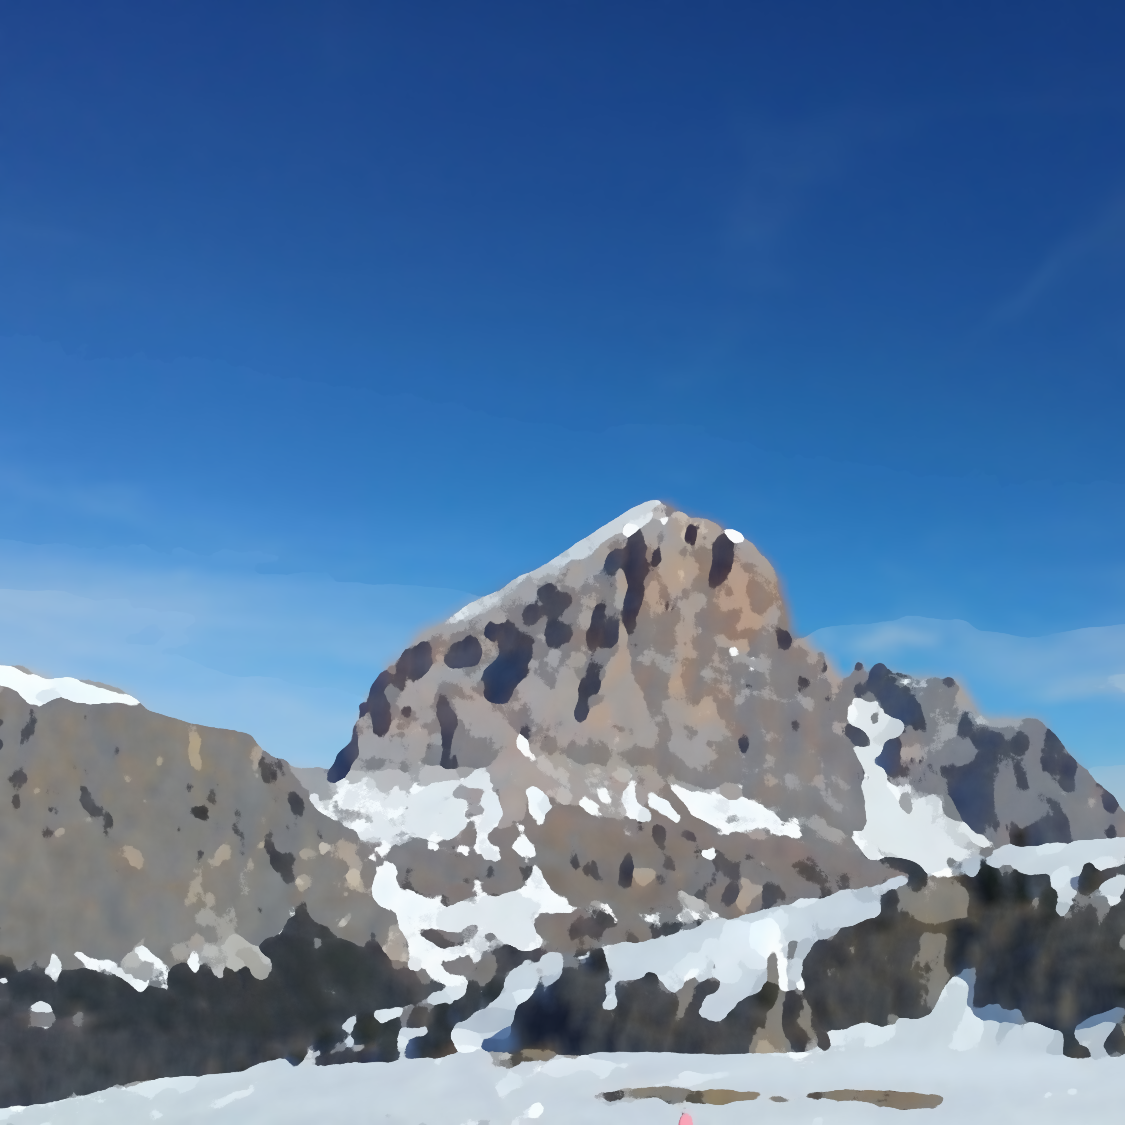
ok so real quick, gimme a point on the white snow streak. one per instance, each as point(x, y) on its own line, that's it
point(38, 690)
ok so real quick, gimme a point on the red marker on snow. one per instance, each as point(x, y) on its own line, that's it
point(685, 1119)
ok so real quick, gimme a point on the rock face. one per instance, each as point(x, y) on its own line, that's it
point(615, 806)
point(132, 828)
point(161, 882)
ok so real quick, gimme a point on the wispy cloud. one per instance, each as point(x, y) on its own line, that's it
point(285, 657)
point(1101, 238)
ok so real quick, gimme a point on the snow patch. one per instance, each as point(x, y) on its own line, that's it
point(739, 815)
point(1064, 863)
point(523, 846)
point(138, 969)
point(233, 953)
point(424, 812)
point(238, 1095)
point(38, 690)
point(953, 1025)
point(519, 985)
point(1093, 1032)
point(485, 920)
point(736, 952)
point(920, 832)
point(1112, 889)
point(538, 803)
point(660, 805)
point(634, 810)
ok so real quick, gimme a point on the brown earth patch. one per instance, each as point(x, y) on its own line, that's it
point(674, 1095)
point(892, 1099)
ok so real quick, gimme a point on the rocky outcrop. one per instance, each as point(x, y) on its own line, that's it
point(173, 902)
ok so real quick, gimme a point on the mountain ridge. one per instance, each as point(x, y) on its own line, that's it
point(617, 794)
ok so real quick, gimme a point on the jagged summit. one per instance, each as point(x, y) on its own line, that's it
point(661, 642)
point(636, 721)
point(626, 524)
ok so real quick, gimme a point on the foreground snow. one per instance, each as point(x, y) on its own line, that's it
point(984, 1070)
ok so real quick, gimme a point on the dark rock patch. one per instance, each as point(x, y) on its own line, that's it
point(568, 1018)
point(972, 786)
point(592, 926)
point(632, 559)
point(792, 1007)
point(441, 1019)
point(890, 758)
point(603, 631)
point(344, 760)
point(504, 674)
point(1057, 762)
point(201, 1024)
point(281, 862)
point(772, 894)
point(91, 808)
point(722, 561)
point(916, 877)
point(625, 871)
point(810, 871)
point(1052, 827)
point(552, 603)
point(588, 687)
point(447, 724)
point(412, 665)
point(893, 694)
point(465, 653)
point(866, 972)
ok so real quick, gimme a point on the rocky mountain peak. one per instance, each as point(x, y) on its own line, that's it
point(616, 805)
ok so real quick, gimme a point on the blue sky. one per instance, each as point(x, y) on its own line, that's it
point(316, 321)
